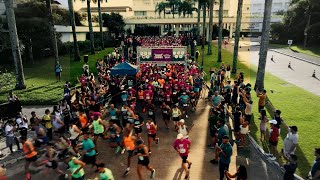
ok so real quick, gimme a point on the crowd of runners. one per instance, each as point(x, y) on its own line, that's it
point(109, 108)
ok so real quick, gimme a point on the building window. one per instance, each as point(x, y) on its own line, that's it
point(140, 13)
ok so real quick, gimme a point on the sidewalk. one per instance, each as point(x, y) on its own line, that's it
point(297, 55)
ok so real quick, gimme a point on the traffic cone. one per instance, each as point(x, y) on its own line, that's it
point(314, 74)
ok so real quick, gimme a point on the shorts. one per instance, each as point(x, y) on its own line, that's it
point(58, 73)
point(89, 159)
point(144, 162)
point(153, 136)
point(115, 139)
point(53, 165)
point(99, 135)
point(260, 108)
point(74, 142)
point(196, 89)
point(184, 159)
point(271, 143)
point(166, 117)
point(176, 119)
point(32, 159)
point(130, 153)
point(80, 178)
point(248, 118)
point(138, 130)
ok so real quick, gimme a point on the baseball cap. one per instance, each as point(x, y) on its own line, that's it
point(179, 136)
point(294, 128)
point(181, 120)
point(273, 121)
point(225, 137)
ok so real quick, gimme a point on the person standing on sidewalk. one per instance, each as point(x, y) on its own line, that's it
point(10, 137)
point(182, 146)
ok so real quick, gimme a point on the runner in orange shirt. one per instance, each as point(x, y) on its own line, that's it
point(30, 155)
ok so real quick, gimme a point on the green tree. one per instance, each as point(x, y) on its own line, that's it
point(198, 20)
point(90, 27)
point(264, 45)
point(220, 30)
point(114, 22)
point(172, 5)
point(204, 7)
point(161, 7)
point(74, 32)
point(237, 37)
point(14, 39)
point(100, 23)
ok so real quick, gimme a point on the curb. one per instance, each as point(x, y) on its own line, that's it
point(301, 59)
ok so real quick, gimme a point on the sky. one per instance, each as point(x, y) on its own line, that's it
point(64, 3)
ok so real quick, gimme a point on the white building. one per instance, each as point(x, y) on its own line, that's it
point(142, 12)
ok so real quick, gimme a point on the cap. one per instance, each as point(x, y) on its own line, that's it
point(273, 121)
point(139, 141)
point(225, 137)
point(179, 136)
point(294, 128)
point(181, 120)
point(277, 111)
point(100, 165)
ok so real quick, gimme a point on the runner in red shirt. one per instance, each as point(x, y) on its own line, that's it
point(152, 133)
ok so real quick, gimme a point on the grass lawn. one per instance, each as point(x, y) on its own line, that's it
point(42, 87)
point(298, 107)
point(312, 51)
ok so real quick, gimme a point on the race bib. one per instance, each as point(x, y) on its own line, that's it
point(182, 150)
point(124, 99)
point(168, 99)
point(113, 117)
point(125, 117)
point(141, 158)
point(165, 112)
point(192, 100)
point(150, 113)
point(185, 105)
point(148, 97)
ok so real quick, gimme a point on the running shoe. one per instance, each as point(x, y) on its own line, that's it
point(187, 116)
point(126, 173)
point(153, 174)
point(187, 175)
point(66, 176)
point(117, 150)
point(157, 140)
point(123, 150)
point(189, 166)
point(149, 152)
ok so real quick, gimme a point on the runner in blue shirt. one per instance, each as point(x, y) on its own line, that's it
point(184, 99)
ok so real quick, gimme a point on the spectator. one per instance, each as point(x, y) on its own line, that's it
point(315, 170)
point(290, 167)
point(241, 174)
point(10, 137)
point(58, 70)
point(262, 99)
point(22, 123)
point(273, 137)
point(291, 140)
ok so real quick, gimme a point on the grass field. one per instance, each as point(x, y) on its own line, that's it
point(42, 87)
point(298, 107)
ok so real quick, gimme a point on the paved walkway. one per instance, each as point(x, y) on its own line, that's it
point(313, 59)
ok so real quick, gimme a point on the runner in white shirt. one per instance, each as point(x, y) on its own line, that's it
point(22, 124)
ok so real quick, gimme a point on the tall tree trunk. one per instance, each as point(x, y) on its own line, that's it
point(30, 52)
point(237, 37)
point(210, 26)
point(90, 27)
point(173, 11)
point(16, 54)
point(100, 24)
point(203, 30)
point(74, 32)
point(54, 43)
point(198, 22)
point(306, 31)
point(264, 45)
point(220, 30)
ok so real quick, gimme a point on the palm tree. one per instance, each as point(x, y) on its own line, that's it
point(204, 5)
point(53, 33)
point(14, 39)
point(198, 20)
point(100, 24)
point(173, 4)
point(74, 33)
point(161, 7)
point(264, 45)
point(211, 4)
point(90, 27)
point(237, 37)
point(220, 30)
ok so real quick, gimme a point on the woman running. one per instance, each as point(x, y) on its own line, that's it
point(143, 159)
point(152, 133)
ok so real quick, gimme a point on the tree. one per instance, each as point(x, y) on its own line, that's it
point(237, 37)
point(198, 20)
point(53, 32)
point(220, 30)
point(211, 4)
point(100, 22)
point(90, 27)
point(14, 39)
point(114, 22)
point(172, 5)
point(74, 33)
point(264, 45)
point(161, 7)
point(204, 5)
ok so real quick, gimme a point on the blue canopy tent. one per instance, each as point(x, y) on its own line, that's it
point(124, 69)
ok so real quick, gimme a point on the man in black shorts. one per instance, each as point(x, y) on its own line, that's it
point(143, 159)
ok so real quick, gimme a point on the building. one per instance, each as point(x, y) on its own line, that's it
point(142, 13)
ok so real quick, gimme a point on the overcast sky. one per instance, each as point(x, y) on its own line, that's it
point(64, 3)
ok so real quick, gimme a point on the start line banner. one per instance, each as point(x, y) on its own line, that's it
point(162, 55)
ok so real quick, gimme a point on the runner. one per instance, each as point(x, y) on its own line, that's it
point(152, 133)
point(138, 123)
point(129, 144)
point(30, 155)
point(104, 173)
point(184, 98)
point(165, 109)
point(176, 114)
point(114, 137)
point(90, 156)
point(151, 111)
point(98, 128)
point(183, 129)
point(143, 159)
point(76, 167)
point(75, 132)
point(182, 146)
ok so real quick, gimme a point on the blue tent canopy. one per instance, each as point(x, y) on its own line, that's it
point(124, 69)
